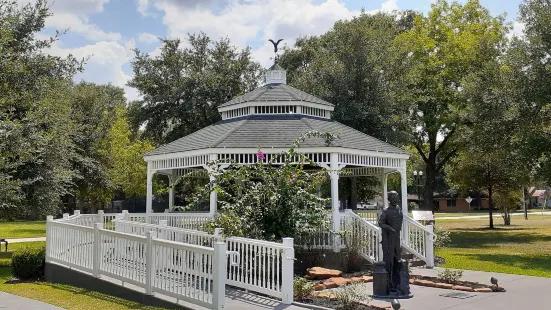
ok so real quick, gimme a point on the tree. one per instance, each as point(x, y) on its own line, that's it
point(183, 88)
point(507, 202)
point(267, 200)
point(529, 57)
point(345, 66)
point(94, 110)
point(127, 170)
point(431, 62)
point(35, 122)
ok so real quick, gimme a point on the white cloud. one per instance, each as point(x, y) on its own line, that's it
point(246, 21)
point(148, 38)
point(143, 7)
point(517, 30)
point(105, 61)
point(79, 25)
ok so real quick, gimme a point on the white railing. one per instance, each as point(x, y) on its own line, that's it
point(261, 266)
point(419, 240)
point(362, 235)
point(180, 220)
point(187, 272)
point(371, 216)
point(165, 232)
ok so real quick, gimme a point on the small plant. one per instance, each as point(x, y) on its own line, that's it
point(28, 263)
point(302, 288)
point(349, 296)
point(450, 275)
point(443, 238)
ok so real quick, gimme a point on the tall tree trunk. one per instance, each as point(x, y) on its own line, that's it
point(490, 207)
point(524, 204)
point(430, 180)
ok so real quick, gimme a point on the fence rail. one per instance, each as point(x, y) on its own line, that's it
point(419, 240)
point(363, 235)
point(185, 271)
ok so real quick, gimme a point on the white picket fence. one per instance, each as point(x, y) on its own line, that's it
point(363, 235)
point(165, 232)
point(187, 272)
point(256, 265)
point(182, 263)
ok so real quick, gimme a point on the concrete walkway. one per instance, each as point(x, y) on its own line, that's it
point(20, 240)
point(522, 292)
point(13, 302)
point(486, 216)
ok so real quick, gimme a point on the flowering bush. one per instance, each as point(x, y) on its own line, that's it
point(274, 198)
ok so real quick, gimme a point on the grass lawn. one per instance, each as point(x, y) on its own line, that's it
point(10, 230)
point(522, 248)
point(64, 296)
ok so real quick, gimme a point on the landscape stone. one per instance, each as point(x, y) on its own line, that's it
point(330, 284)
point(356, 280)
point(424, 283)
point(319, 287)
point(443, 285)
point(339, 281)
point(483, 290)
point(463, 288)
point(367, 279)
point(324, 295)
point(319, 273)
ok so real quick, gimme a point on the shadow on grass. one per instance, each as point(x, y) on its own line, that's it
point(537, 265)
point(462, 238)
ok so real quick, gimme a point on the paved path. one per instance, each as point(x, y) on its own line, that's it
point(523, 292)
point(13, 302)
point(20, 240)
point(486, 216)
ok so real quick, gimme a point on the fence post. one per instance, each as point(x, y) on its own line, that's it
point(219, 276)
point(287, 271)
point(149, 263)
point(49, 244)
point(97, 249)
point(379, 244)
point(430, 247)
point(125, 215)
point(163, 234)
point(65, 216)
point(76, 212)
point(100, 216)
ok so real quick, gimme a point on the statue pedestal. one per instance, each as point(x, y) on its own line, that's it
point(381, 282)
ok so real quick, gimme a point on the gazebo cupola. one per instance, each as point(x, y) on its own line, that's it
point(276, 97)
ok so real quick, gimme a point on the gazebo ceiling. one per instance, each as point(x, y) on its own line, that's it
point(274, 131)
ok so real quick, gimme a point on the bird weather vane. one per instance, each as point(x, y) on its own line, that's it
point(275, 48)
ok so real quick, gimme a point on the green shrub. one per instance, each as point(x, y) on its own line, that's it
point(302, 288)
point(349, 297)
point(443, 238)
point(28, 263)
point(450, 275)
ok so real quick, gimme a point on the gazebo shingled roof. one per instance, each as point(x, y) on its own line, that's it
point(279, 131)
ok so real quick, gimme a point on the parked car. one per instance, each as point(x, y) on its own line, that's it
point(370, 205)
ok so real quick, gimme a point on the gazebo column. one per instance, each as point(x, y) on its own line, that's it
point(213, 195)
point(336, 216)
point(213, 199)
point(404, 189)
point(149, 196)
point(384, 182)
point(171, 181)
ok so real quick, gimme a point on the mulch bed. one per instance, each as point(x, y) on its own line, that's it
point(456, 285)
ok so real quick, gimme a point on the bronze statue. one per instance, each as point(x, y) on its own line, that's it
point(390, 222)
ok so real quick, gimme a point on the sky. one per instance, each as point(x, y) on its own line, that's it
point(105, 32)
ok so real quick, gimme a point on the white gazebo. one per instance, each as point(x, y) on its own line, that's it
point(272, 117)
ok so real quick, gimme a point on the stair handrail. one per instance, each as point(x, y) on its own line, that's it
point(421, 226)
point(376, 247)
